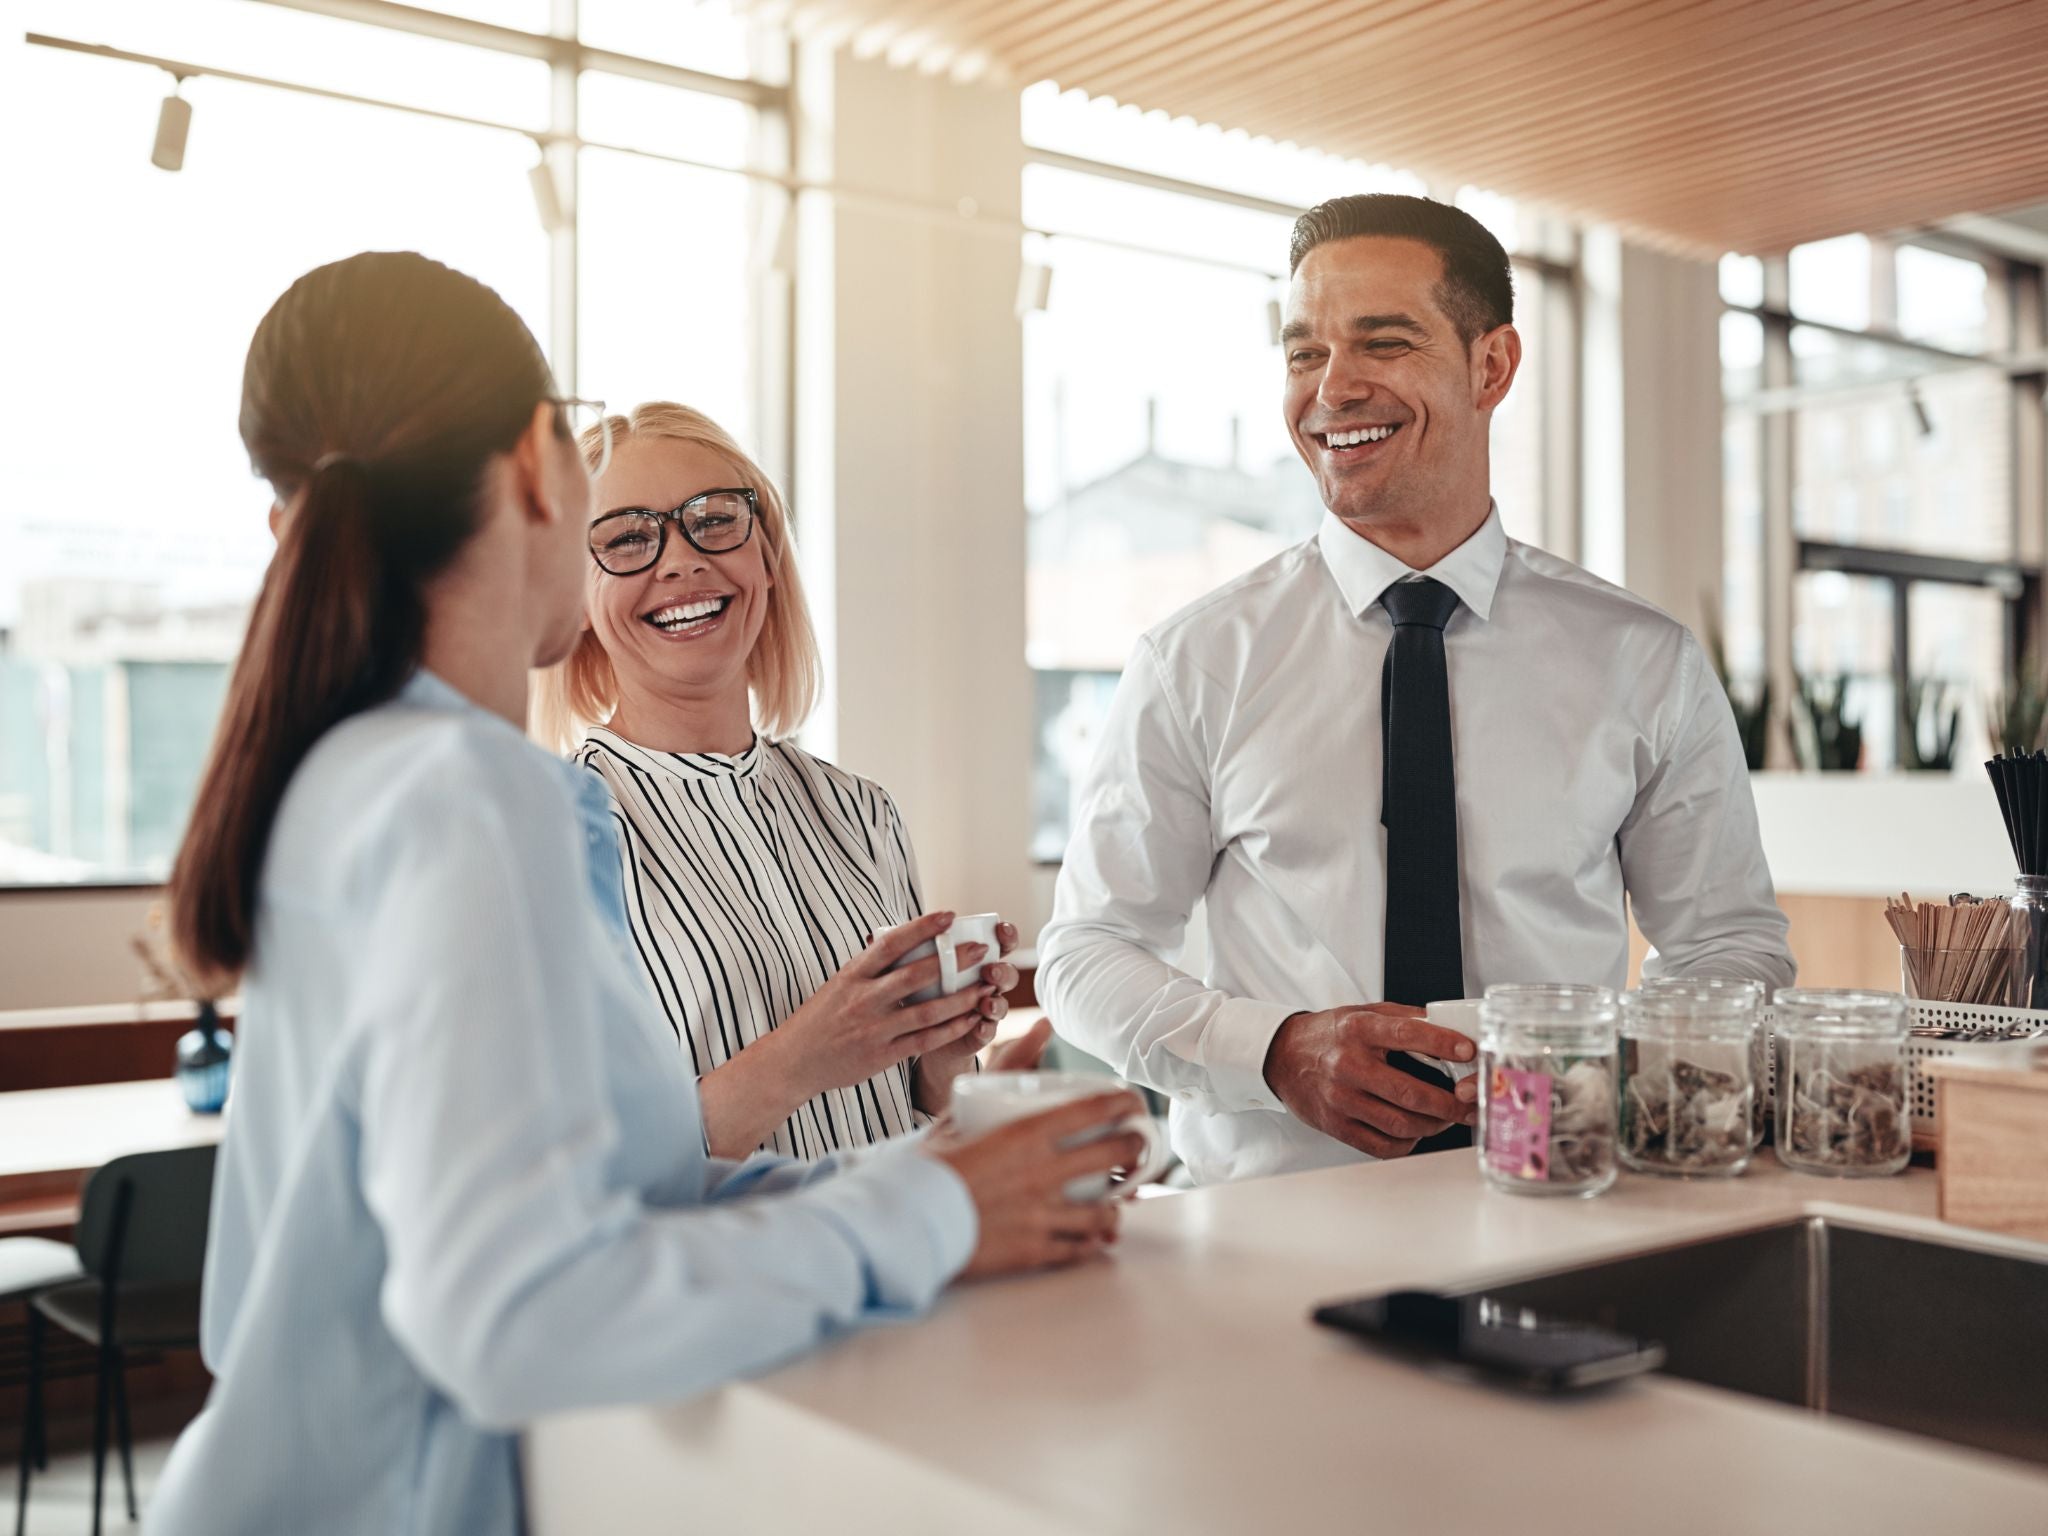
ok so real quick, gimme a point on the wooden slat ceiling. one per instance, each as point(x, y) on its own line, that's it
point(1710, 125)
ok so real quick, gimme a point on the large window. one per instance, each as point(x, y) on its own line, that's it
point(1872, 400)
point(1157, 464)
point(132, 534)
point(1157, 460)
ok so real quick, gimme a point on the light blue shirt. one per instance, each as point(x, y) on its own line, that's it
point(465, 1181)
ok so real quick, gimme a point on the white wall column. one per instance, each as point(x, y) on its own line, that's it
point(1652, 435)
point(1671, 428)
point(910, 461)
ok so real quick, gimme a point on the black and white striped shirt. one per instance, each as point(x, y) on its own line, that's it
point(750, 882)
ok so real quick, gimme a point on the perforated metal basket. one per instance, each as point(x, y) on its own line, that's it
point(1941, 1030)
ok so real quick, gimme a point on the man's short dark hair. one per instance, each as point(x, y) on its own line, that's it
point(1477, 289)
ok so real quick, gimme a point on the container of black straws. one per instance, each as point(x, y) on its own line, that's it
point(2021, 781)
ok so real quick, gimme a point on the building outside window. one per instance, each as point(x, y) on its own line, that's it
point(1871, 394)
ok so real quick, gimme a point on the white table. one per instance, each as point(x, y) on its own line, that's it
point(51, 1138)
point(1180, 1388)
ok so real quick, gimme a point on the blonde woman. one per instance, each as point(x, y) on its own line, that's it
point(771, 895)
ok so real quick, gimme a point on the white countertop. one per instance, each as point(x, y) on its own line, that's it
point(1180, 1388)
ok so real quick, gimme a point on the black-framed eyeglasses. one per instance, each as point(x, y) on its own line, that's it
point(627, 542)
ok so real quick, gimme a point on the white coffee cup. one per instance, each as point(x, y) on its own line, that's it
point(979, 928)
point(986, 1101)
point(1461, 1016)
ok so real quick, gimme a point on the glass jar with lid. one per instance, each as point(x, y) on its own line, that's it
point(1548, 1115)
point(1688, 1081)
point(1844, 1082)
point(1760, 1040)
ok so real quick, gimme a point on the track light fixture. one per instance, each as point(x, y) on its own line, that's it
point(173, 123)
point(547, 195)
point(1034, 288)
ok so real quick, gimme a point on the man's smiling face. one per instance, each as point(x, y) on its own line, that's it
point(1386, 402)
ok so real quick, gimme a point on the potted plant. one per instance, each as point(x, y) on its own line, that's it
point(1927, 731)
point(2017, 714)
point(1828, 738)
point(1752, 710)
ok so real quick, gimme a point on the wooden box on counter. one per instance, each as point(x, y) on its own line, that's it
point(1993, 1139)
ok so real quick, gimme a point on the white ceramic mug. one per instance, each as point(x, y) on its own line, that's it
point(985, 1101)
point(979, 928)
point(1460, 1016)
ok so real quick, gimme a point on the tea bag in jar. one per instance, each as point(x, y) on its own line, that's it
point(1843, 1082)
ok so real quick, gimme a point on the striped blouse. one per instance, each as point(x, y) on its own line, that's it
point(750, 882)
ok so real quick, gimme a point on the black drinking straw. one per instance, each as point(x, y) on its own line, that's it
point(2036, 852)
point(2022, 808)
point(2026, 803)
point(2020, 780)
point(2023, 811)
point(2021, 783)
point(1995, 771)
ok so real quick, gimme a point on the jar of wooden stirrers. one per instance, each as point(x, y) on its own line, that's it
point(1964, 950)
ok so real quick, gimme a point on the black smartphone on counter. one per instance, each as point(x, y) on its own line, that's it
point(1498, 1341)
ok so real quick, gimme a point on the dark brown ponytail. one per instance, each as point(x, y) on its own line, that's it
point(377, 392)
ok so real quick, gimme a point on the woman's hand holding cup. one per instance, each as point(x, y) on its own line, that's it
point(863, 1021)
point(936, 1069)
point(1020, 1175)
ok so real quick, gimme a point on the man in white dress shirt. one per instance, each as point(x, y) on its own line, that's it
point(1555, 751)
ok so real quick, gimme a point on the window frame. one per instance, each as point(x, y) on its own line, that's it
point(2015, 348)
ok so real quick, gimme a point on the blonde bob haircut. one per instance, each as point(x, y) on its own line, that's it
point(784, 670)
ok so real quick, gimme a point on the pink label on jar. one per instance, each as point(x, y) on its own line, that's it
point(1518, 1123)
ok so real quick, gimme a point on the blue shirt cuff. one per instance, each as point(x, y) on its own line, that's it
point(912, 1218)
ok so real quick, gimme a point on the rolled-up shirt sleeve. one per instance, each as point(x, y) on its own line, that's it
point(1692, 855)
point(523, 1276)
point(1138, 863)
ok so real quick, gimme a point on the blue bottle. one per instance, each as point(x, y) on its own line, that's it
point(204, 1056)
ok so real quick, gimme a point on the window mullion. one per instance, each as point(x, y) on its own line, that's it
point(2025, 292)
point(1902, 664)
point(1781, 547)
point(561, 156)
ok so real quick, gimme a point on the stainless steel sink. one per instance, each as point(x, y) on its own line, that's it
point(1930, 1337)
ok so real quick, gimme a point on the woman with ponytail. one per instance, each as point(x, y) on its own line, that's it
point(464, 1182)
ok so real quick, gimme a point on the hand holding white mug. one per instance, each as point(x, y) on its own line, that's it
point(994, 1099)
point(1460, 1015)
point(858, 1024)
point(1018, 1173)
point(963, 949)
point(963, 964)
point(875, 1011)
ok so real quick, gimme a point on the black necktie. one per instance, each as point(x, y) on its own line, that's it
point(1419, 808)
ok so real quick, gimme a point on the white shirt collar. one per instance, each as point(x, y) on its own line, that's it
point(1363, 570)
